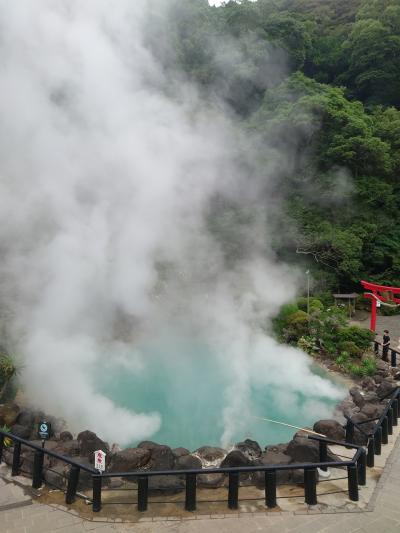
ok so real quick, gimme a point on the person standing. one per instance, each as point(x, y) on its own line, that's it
point(385, 345)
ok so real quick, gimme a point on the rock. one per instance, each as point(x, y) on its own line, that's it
point(385, 388)
point(20, 431)
point(359, 438)
point(331, 429)
point(372, 410)
point(26, 418)
point(8, 414)
point(161, 458)
point(55, 477)
point(235, 458)
point(210, 480)
point(357, 397)
point(69, 448)
point(396, 376)
point(250, 448)
point(179, 452)
point(89, 442)
point(378, 379)
point(116, 482)
point(304, 450)
point(209, 454)
point(381, 365)
point(277, 448)
point(129, 459)
point(188, 462)
point(272, 458)
point(66, 436)
point(368, 384)
point(371, 397)
point(148, 444)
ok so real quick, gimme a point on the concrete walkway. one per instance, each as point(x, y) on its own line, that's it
point(18, 513)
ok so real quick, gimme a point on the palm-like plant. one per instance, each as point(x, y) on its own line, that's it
point(8, 369)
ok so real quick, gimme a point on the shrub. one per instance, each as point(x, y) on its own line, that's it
point(315, 304)
point(342, 359)
point(308, 344)
point(351, 348)
point(362, 337)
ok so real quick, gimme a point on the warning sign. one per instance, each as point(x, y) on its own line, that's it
point(100, 460)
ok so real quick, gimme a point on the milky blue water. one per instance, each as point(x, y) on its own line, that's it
point(187, 387)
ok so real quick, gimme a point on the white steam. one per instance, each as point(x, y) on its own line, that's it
point(105, 189)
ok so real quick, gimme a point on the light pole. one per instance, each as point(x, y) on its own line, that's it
point(308, 292)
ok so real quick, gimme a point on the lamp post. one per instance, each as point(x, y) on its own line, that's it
point(308, 292)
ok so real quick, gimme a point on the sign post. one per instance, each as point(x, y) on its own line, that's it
point(44, 431)
point(100, 460)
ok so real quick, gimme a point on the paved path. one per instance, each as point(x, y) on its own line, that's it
point(18, 514)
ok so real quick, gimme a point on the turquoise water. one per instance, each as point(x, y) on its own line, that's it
point(187, 387)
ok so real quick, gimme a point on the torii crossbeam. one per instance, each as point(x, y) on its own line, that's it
point(380, 293)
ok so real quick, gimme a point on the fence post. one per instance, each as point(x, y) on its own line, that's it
point(270, 488)
point(37, 469)
point(1, 446)
point(310, 486)
point(392, 358)
point(371, 452)
point(16, 459)
point(352, 482)
point(349, 432)
point(395, 407)
point(378, 441)
point(190, 499)
point(96, 506)
point(143, 491)
point(323, 454)
point(73, 480)
point(233, 490)
point(385, 430)
point(390, 421)
point(362, 468)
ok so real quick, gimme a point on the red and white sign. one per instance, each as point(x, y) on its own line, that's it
point(100, 460)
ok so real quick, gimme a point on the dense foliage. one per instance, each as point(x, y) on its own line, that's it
point(324, 331)
point(323, 78)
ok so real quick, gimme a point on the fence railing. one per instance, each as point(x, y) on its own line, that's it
point(356, 466)
point(394, 354)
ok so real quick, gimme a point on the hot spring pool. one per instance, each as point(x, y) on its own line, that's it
point(188, 388)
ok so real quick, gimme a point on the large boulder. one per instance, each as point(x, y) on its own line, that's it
point(129, 459)
point(212, 481)
point(331, 429)
point(69, 448)
point(56, 477)
point(89, 442)
point(368, 384)
point(271, 457)
point(162, 458)
point(188, 462)
point(357, 396)
point(250, 448)
point(385, 389)
point(372, 410)
point(235, 458)
point(8, 414)
point(20, 431)
point(179, 452)
point(66, 436)
point(359, 437)
point(26, 418)
point(301, 449)
point(210, 455)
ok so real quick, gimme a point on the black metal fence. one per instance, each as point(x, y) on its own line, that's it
point(355, 466)
point(379, 351)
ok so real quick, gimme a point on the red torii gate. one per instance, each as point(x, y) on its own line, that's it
point(380, 293)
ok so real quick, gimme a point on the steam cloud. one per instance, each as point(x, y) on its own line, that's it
point(109, 174)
